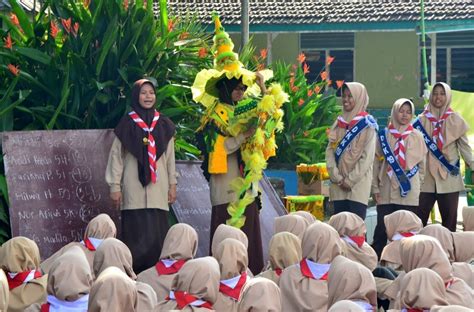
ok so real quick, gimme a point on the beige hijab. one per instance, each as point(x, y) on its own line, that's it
point(398, 222)
point(305, 214)
point(348, 224)
point(464, 271)
point(468, 218)
point(198, 277)
point(321, 244)
point(21, 254)
point(260, 295)
point(291, 223)
point(113, 252)
point(464, 246)
point(5, 292)
point(443, 235)
point(113, 290)
point(224, 231)
point(450, 308)
point(284, 250)
point(349, 280)
point(147, 299)
point(455, 123)
point(345, 306)
point(181, 242)
point(351, 156)
point(422, 288)
point(423, 251)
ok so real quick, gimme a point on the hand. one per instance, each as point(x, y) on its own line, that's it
point(378, 198)
point(344, 186)
point(260, 82)
point(250, 132)
point(172, 193)
point(116, 199)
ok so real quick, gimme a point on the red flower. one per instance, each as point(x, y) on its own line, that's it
point(300, 102)
point(317, 89)
point(15, 70)
point(292, 84)
point(339, 83)
point(260, 66)
point(14, 19)
point(301, 58)
point(184, 35)
point(329, 60)
point(66, 24)
point(305, 68)
point(170, 24)
point(8, 42)
point(54, 29)
point(294, 67)
point(324, 75)
point(263, 53)
point(75, 29)
point(202, 52)
point(125, 5)
point(310, 93)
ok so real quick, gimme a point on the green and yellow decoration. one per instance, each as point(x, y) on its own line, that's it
point(261, 112)
point(308, 173)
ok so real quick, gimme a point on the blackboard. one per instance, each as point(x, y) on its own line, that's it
point(193, 205)
point(56, 183)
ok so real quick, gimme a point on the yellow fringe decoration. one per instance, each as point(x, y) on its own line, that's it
point(218, 157)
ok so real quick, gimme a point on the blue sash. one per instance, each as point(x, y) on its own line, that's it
point(433, 148)
point(367, 121)
point(402, 177)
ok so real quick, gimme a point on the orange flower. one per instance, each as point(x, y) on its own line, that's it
point(310, 93)
point(86, 3)
point(184, 35)
point(260, 66)
point(324, 75)
point(305, 68)
point(263, 53)
point(317, 89)
point(329, 60)
point(54, 29)
point(305, 133)
point(339, 83)
point(202, 52)
point(294, 67)
point(170, 24)
point(75, 29)
point(300, 102)
point(125, 5)
point(329, 83)
point(66, 24)
point(15, 70)
point(327, 131)
point(301, 58)
point(14, 19)
point(8, 42)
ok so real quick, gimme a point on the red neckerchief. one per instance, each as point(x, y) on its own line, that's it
point(151, 140)
point(438, 124)
point(359, 240)
point(406, 234)
point(88, 244)
point(414, 310)
point(306, 271)
point(448, 283)
point(278, 271)
point(234, 292)
point(45, 307)
point(400, 148)
point(341, 123)
point(22, 278)
point(184, 299)
point(162, 269)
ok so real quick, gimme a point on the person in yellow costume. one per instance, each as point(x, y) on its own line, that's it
point(236, 137)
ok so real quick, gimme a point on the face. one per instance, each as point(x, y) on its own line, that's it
point(438, 97)
point(147, 98)
point(348, 102)
point(404, 114)
point(238, 92)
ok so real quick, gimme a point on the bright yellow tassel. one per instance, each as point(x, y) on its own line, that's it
point(259, 137)
point(266, 104)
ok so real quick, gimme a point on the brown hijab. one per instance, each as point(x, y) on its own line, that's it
point(4, 291)
point(350, 225)
point(21, 254)
point(198, 277)
point(180, 243)
point(305, 214)
point(350, 157)
point(468, 218)
point(113, 290)
point(352, 281)
point(463, 246)
point(224, 231)
point(113, 252)
point(422, 288)
point(260, 295)
point(131, 135)
point(321, 244)
point(443, 235)
point(346, 306)
point(291, 223)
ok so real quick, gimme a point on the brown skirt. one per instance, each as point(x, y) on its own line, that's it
point(251, 228)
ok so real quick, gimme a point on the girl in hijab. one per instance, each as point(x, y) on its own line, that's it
point(446, 139)
point(284, 250)
point(179, 246)
point(444, 237)
point(396, 185)
point(114, 291)
point(345, 306)
point(224, 231)
point(352, 230)
point(350, 152)
point(4, 292)
point(194, 288)
point(19, 258)
point(468, 218)
point(69, 283)
point(141, 175)
point(349, 280)
point(399, 225)
point(305, 214)
point(233, 261)
point(463, 268)
point(291, 223)
point(304, 285)
point(98, 229)
point(260, 295)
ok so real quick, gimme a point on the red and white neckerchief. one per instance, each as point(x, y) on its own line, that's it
point(17, 279)
point(400, 148)
point(448, 283)
point(151, 140)
point(438, 124)
point(183, 299)
point(92, 243)
point(364, 305)
point(354, 240)
point(341, 123)
point(316, 271)
point(54, 304)
point(402, 235)
point(169, 266)
point(232, 287)
point(278, 271)
point(415, 310)
point(45, 307)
